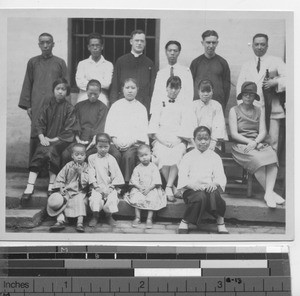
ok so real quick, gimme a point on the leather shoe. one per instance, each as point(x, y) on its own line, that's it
point(27, 196)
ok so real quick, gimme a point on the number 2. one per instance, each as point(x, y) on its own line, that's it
point(142, 285)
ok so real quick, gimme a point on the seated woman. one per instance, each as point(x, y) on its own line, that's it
point(209, 113)
point(201, 177)
point(171, 128)
point(248, 129)
point(127, 124)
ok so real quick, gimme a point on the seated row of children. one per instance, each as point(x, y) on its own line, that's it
point(97, 183)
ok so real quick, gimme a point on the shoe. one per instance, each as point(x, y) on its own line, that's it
point(111, 221)
point(183, 227)
point(169, 194)
point(182, 231)
point(177, 193)
point(27, 196)
point(93, 222)
point(136, 222)
point(79, 227)
point(58, 226)
point(278, 199)
point(149, 224)
point(222, 229)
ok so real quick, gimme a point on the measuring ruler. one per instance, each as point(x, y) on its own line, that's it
point(144, 271)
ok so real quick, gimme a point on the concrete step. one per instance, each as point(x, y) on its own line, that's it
point(24, 218)
point(239, 207)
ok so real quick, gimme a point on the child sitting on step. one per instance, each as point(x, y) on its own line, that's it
point(201, 177)
point(105, 177)
point(71, 185)
point(146, 193)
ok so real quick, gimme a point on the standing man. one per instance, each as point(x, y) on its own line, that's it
point(212, 67)
point(134, 65)
point(41, 72)
point(95, 67)
point(173, 49)
point(255, 70)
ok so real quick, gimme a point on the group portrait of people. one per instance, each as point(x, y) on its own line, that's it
point(150, 137)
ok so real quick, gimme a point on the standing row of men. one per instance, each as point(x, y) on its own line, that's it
point(45, 68)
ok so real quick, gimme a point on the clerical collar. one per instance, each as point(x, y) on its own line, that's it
point(136, 55)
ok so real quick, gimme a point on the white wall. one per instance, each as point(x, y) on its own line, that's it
point(22, 44)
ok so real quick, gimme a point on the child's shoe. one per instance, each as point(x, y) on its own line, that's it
point(110, 220)
point(149, 224)
point(94, 220)
point(58, 226)
point(79, 227)
point(222, 229)
point(136, 222)
point(183, 227)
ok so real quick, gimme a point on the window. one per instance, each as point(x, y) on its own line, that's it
point(116, 33)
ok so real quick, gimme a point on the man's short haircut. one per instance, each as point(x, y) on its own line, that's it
point(103, 138)
point(173, 42)
point(209, 33)
point(136, 32)
point(143, 146)
point(62, 81)
point(201, 128)
point(78, 145)
point(95, 35)
point(47, 35)
point(94, 82)
point(174, 82)
point(205, 84)
point(261, 35)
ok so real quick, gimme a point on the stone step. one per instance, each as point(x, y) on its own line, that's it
point(25, 218)
point(239, 207)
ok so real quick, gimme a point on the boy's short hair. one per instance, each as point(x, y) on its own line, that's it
point(95, 35)
point(62, 81)
point(200, 129)
point(209, 33)
point(78, 145)
point(143, 146)
point(47, 35)
point(174, 82)
point(173, 42)
point(94, 82)
point(103, 137)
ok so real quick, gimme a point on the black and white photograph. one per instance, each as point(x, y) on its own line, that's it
point(148, 125)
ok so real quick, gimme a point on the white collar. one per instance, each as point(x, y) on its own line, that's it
point(136, 54)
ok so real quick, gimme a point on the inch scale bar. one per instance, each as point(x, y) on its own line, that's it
point(225, 286)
